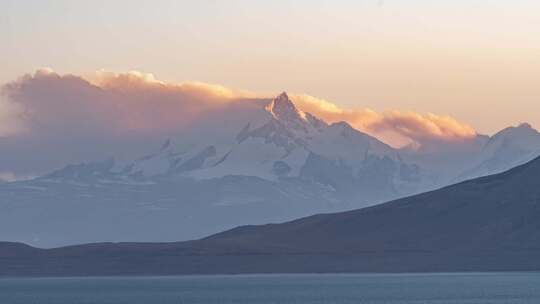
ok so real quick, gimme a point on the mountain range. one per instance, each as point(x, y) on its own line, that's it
point(276, 164)
point(489, 223)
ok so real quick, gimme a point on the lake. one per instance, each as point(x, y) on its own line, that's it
point(444, 288)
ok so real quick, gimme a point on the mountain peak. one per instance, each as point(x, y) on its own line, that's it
point(283, 96)
point(342, 124)
point(522, 129)
point(525, 125)
point(282, 108)
point(522, 137)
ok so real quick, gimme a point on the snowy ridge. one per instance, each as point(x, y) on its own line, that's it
point(275, 148)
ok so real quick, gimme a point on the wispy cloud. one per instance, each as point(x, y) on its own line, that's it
point(396, 127)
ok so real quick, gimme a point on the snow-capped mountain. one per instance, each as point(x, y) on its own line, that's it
point(444, 162)
point(276, 163)
point(283, 144)
point(508, 148)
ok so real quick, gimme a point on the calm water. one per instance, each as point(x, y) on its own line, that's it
point(475, 288)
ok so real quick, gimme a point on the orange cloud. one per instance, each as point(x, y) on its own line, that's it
point(135, 80)
point(395, 127)
point(124, 101)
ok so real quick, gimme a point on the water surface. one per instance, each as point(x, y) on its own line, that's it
point(477, 288)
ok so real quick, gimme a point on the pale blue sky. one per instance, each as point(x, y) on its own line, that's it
point(449, 57)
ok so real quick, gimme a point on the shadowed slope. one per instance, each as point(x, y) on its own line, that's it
point(491, 213)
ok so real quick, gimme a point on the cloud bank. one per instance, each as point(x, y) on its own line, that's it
point(10, 117)
point(48, 120)
point(46, 101)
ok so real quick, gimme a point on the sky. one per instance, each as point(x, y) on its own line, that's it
point(416, 67)
point(475, 61)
